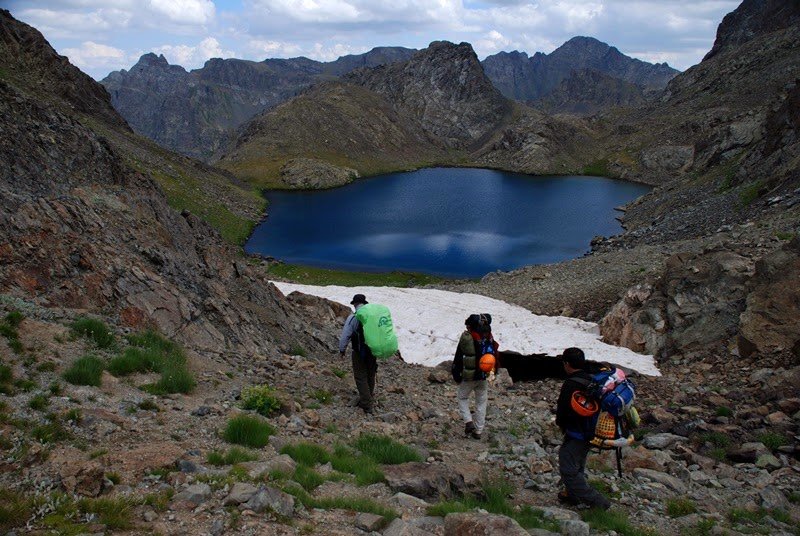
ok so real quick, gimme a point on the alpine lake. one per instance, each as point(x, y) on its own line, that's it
point(452, 222)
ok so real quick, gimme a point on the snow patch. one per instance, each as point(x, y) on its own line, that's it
point(429, 323)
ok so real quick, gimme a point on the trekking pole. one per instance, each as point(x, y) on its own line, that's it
point(619, 461)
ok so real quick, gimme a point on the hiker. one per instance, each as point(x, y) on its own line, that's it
point(365, 366)
point(577, 434)
point(471, 374)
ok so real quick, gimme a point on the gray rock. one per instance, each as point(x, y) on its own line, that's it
point(481, 523)
point(369, 522)
point(662, 478)
point(424, 526)
point(424, 480)
point(661, 441)
point(196, 493)
point(240, 493)
point(575, 527)
point(773, 498)
point(559, 514)
point(768, 462)
point(270, 498)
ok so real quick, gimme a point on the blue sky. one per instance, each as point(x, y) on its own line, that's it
point(102, 36)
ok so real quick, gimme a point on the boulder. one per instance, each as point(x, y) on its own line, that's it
point(479, 524)
point(424, 480)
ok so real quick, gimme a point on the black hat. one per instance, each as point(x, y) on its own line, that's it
point(574, 357)
point(359, 298)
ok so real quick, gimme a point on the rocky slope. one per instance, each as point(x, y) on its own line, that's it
point(193, 112)
point(587, 92)
point(528, 79)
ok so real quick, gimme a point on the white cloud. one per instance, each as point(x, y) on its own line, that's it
point(262, 49)
point(93, 55)
point(194, 56)
point(322, 52)
point(186, 12)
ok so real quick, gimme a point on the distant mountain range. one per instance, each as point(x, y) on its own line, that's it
point(193, 112)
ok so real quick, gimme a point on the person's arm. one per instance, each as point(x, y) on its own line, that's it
point(564, 405)
point(350, 326)
point(458, 361)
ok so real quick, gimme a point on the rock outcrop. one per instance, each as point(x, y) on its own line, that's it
point(194, 112)
point(529, 79)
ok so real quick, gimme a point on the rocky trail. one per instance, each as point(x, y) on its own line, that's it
point(718, 452)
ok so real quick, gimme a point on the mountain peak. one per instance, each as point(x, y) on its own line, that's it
point(752, 19)
point(150, 59)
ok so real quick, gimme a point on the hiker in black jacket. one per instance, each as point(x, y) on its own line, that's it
point(577, 434)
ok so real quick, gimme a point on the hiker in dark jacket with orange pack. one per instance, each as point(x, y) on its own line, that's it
point(575, 421)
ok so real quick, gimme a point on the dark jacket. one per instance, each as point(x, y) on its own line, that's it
point(465, 362)
point(570, 422)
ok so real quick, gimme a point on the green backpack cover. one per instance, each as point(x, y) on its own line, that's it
point(378, 329)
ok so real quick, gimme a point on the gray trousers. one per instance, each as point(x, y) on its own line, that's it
point(572, 466)
point(481, 389)
point(365, 368)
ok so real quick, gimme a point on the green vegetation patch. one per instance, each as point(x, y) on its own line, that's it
point(598, 168)
point(321, 276)
point(386, 450)
point(15, 509)
point(94, 329)
point(9, 329)
point(750, 193)
point(233, 456)
point(262, 399)
point(772, 440)
point(357, 504)
point(152, 352)
point(494, 499)
point(614, 520)
point(680, 506)
point(87, 370)
point(248, 431)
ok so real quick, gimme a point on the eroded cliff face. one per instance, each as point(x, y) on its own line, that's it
point(83, 230)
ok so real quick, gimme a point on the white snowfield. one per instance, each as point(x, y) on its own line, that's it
point(429, 323)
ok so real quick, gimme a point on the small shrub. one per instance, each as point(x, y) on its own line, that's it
point(773, 441)
point(717, 439)
point(680, 506)
point(784, 236)
point(14, 319)
point(262, 399)
point(364, 468)
point(25, 385)
point(175, 379)
point(307, 454)
point(339, 372)
point(114, 478)
point(47, 366)
point(386, 450)
point(724, 411)
point(55, 389)
point(149, 405)
point(113, 513)
point(248, 431)
point(136, 360)
point(95, 330)
point(719, 454)
point(87, 370)
point(307, 477)
point(608, 520)
point(51, 432)
point(233, 456)
point(6, 376)
point(737, 515)
point(794, 497)
point(703, 528)
point(298, 350)
point(39, 403)
point(74, 415)
point(322, 396)
point(749, 193)
point(14, 510)
point(159, 501)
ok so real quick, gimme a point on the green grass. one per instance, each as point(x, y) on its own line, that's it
point(148, 405)
point(6, 375)
point(321, 276)
point(784, 236)
point(50, 432)
point(14, 319)
point(94, 329)
point(362, 467)
point(87, 370)
point(386, 450)
point(717, 439)
point(175, 378)
point(8, 329)
point(262, 399)
point(724, 411)
point(233, 456)
point(356, 504)
point(608, 520)
point(15, 509)
point(339, 372)
point(39, 403)
point(598, 168)
point(494, 499)
point(322, 396)
point(248, 431)
point(750, 193)
point(772, 440)
point(298, 350)
point(680, 506)
point(702, 528)
point(308, 477)
point(136, 360)
point(308, 454)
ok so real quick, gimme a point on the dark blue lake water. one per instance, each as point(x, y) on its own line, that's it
point(447, 221)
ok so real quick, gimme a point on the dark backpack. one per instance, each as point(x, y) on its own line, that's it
point(610, 389)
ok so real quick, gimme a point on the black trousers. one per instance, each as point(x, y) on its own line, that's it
point(365, 368)
point(572, 466)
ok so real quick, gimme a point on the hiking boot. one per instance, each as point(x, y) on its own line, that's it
point(469, 428)
point(476, 434)
point(566, 498)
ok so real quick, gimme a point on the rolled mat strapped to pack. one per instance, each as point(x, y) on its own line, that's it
point(378, 329)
